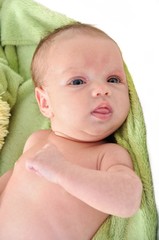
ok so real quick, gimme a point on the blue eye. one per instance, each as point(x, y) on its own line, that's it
point(77, 82)
point(113, 80)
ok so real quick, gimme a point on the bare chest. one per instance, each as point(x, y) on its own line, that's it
point(45, 211)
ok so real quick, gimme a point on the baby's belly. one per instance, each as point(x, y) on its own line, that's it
point(46, 212)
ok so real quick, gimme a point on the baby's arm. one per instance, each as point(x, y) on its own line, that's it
point(115, 191)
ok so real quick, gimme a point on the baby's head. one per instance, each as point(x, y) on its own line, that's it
point(40, 61)
point(80, 82)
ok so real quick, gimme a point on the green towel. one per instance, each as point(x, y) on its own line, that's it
point(23, 24)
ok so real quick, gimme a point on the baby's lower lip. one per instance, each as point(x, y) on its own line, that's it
point(102, 113)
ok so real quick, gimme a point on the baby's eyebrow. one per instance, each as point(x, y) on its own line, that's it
point(117, 72)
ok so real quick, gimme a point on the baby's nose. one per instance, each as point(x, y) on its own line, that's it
point(101, 90)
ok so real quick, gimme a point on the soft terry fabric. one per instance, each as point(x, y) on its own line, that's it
point(23, 24)
point(4, 120)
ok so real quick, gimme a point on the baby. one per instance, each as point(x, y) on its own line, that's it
point(71, 178)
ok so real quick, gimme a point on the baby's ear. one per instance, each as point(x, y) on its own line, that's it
point(43, 102)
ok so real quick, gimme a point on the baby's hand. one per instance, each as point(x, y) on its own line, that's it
point(48, 162)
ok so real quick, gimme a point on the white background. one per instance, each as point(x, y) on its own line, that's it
point(134, 25)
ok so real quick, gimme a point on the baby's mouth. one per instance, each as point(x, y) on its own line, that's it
point(102, 112)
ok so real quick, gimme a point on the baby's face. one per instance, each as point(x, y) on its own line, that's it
point(86, 87)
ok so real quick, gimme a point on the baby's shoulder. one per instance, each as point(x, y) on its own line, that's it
point(114, 154)
point(35, 138)
point(113, 148)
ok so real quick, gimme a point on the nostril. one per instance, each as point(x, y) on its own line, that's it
point(101, 91)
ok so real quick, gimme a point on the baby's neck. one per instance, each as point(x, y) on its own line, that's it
point(64, 137)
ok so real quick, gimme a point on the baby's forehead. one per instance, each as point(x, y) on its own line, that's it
point(74, 34)
point(70, 40)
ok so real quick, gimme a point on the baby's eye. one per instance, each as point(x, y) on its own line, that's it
point(113, 80)
point(77, 82)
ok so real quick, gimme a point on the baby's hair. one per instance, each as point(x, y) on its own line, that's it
point(39, 60)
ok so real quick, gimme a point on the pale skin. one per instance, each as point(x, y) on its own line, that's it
point(68, 180)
